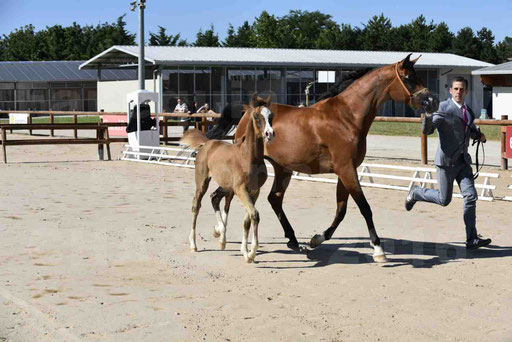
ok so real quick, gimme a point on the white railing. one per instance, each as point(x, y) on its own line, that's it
point(422, 176)
point(508, 198)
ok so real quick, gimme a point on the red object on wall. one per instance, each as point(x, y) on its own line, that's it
point(116, 131)
point(508, 142)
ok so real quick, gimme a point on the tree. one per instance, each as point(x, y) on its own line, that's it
point(441, 38)
point(21, 45)
point(504, 50)
point(376, 35)
point(244, 37)
point(208, 38)
point(266, 29)
point(486, 44)
point(419, 34)
point(466, 44)
point(162, 39)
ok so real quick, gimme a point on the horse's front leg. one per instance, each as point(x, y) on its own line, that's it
point(252, 219)
point(341, 210)
point(348, 175)
point(281, 182)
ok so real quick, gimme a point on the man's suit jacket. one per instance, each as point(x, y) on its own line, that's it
point(454, 133)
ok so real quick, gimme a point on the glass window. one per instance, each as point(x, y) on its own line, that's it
point(170, 78)
point(32, 85)
point(186, 81)
point(202, 81)
point(6, 85)
point(234, 85)
point(7, 105)
point(248, 81)
point(6, 94)
point(216, 80)
point(275, 81)
point(293, 81)
point(263, 82)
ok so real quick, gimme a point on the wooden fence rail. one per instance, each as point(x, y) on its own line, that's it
point(101, 136)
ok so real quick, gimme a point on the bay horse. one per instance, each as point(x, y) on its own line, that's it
point(239, 169)
point(330, 137)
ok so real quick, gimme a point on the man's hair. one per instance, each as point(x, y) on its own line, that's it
point(460, 79)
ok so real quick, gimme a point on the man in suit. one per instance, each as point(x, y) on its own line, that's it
point(454, 123)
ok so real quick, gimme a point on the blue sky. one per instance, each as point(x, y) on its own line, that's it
point(187, 17)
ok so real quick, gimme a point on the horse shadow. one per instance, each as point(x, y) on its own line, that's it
point(418, 254)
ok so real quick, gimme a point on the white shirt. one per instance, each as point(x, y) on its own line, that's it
point(458, 104)
point(181, 108)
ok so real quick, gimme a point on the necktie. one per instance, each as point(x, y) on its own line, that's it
point(464, 114)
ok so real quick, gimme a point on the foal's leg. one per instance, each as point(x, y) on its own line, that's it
point(252, 218)
point(202, 181)
point(341, 210)
point(219, 230)
point(348, 176)
point(281, 182)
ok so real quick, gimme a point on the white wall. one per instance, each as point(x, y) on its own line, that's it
point(112, 94)
point(501, 102)
point(475, 98)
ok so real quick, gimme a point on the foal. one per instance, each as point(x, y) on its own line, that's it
point(238, 168)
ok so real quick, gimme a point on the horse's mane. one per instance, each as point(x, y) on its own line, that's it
point(339, 86)
point(230, 117)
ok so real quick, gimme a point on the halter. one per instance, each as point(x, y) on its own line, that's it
point(424, 90)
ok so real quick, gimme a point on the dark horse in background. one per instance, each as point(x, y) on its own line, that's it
point(330, 137)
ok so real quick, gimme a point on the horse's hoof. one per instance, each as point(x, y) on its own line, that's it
point(316, 241)
point(293, 245)
point(193, 249)
point(380, 258)
point(216, 234)
point(222, 246)
point(249, 260)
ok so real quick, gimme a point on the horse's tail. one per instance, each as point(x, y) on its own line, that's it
point(230, 117)
point(194, 138)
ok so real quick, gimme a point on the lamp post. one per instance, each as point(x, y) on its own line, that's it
point(142, 6)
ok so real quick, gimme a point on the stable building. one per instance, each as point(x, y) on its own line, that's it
point(219, 75)
point(498, 78)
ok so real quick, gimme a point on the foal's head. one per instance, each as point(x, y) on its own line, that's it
point(261, 117)
point(408, 88)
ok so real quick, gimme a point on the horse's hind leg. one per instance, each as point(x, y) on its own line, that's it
point(348, 176)
point(201, 187)
point(281, 182)
point(341, 210)
point(219, 231)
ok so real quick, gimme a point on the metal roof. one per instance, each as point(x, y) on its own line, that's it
point(51, 71)
point(500, 69)
point(123, 55)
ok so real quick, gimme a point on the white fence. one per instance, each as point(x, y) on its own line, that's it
point(508, 198)
point(421, 176)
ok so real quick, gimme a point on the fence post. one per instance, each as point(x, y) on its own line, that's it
point(166, 119)
point(52, 121)
point(3, 144)
point(30, 122)
point(424, 146)
point(504, 160)
point(204, 125)
point(75, 121)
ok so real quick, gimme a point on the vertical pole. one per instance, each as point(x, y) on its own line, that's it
point(424, 146)
point(30, 122)
point(166, 119)
point(3, 145)
point(52, 121)
point(204, 124)
point(75, 121)
point(142, 77)
point(504, 160)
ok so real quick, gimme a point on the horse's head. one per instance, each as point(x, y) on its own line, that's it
point(261, 117)
point(408, 88)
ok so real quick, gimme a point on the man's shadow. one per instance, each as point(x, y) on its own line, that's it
point(418, 254)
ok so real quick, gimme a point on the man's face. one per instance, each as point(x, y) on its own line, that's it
point(458, 91)
point(179, 101)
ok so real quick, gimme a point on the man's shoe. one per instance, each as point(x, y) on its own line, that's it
point(477, 243)
point(409, 201)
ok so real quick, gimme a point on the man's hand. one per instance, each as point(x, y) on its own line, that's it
point(482, 138)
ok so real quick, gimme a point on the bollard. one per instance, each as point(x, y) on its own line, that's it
point(504, 160)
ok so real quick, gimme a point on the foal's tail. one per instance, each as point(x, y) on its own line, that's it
point(194, 138)
point(230, 117)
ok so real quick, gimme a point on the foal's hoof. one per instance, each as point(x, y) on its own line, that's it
point(193, 249)
point(316, 240)
point(216, 234)
point(222, 246)
point(380, 258)
point(249, 260)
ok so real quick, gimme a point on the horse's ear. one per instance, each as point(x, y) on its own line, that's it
point(269, 100)
point(254, 100)
point(405, 61)
point(415, 60)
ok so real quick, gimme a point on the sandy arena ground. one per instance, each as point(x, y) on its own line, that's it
point(98, 251)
